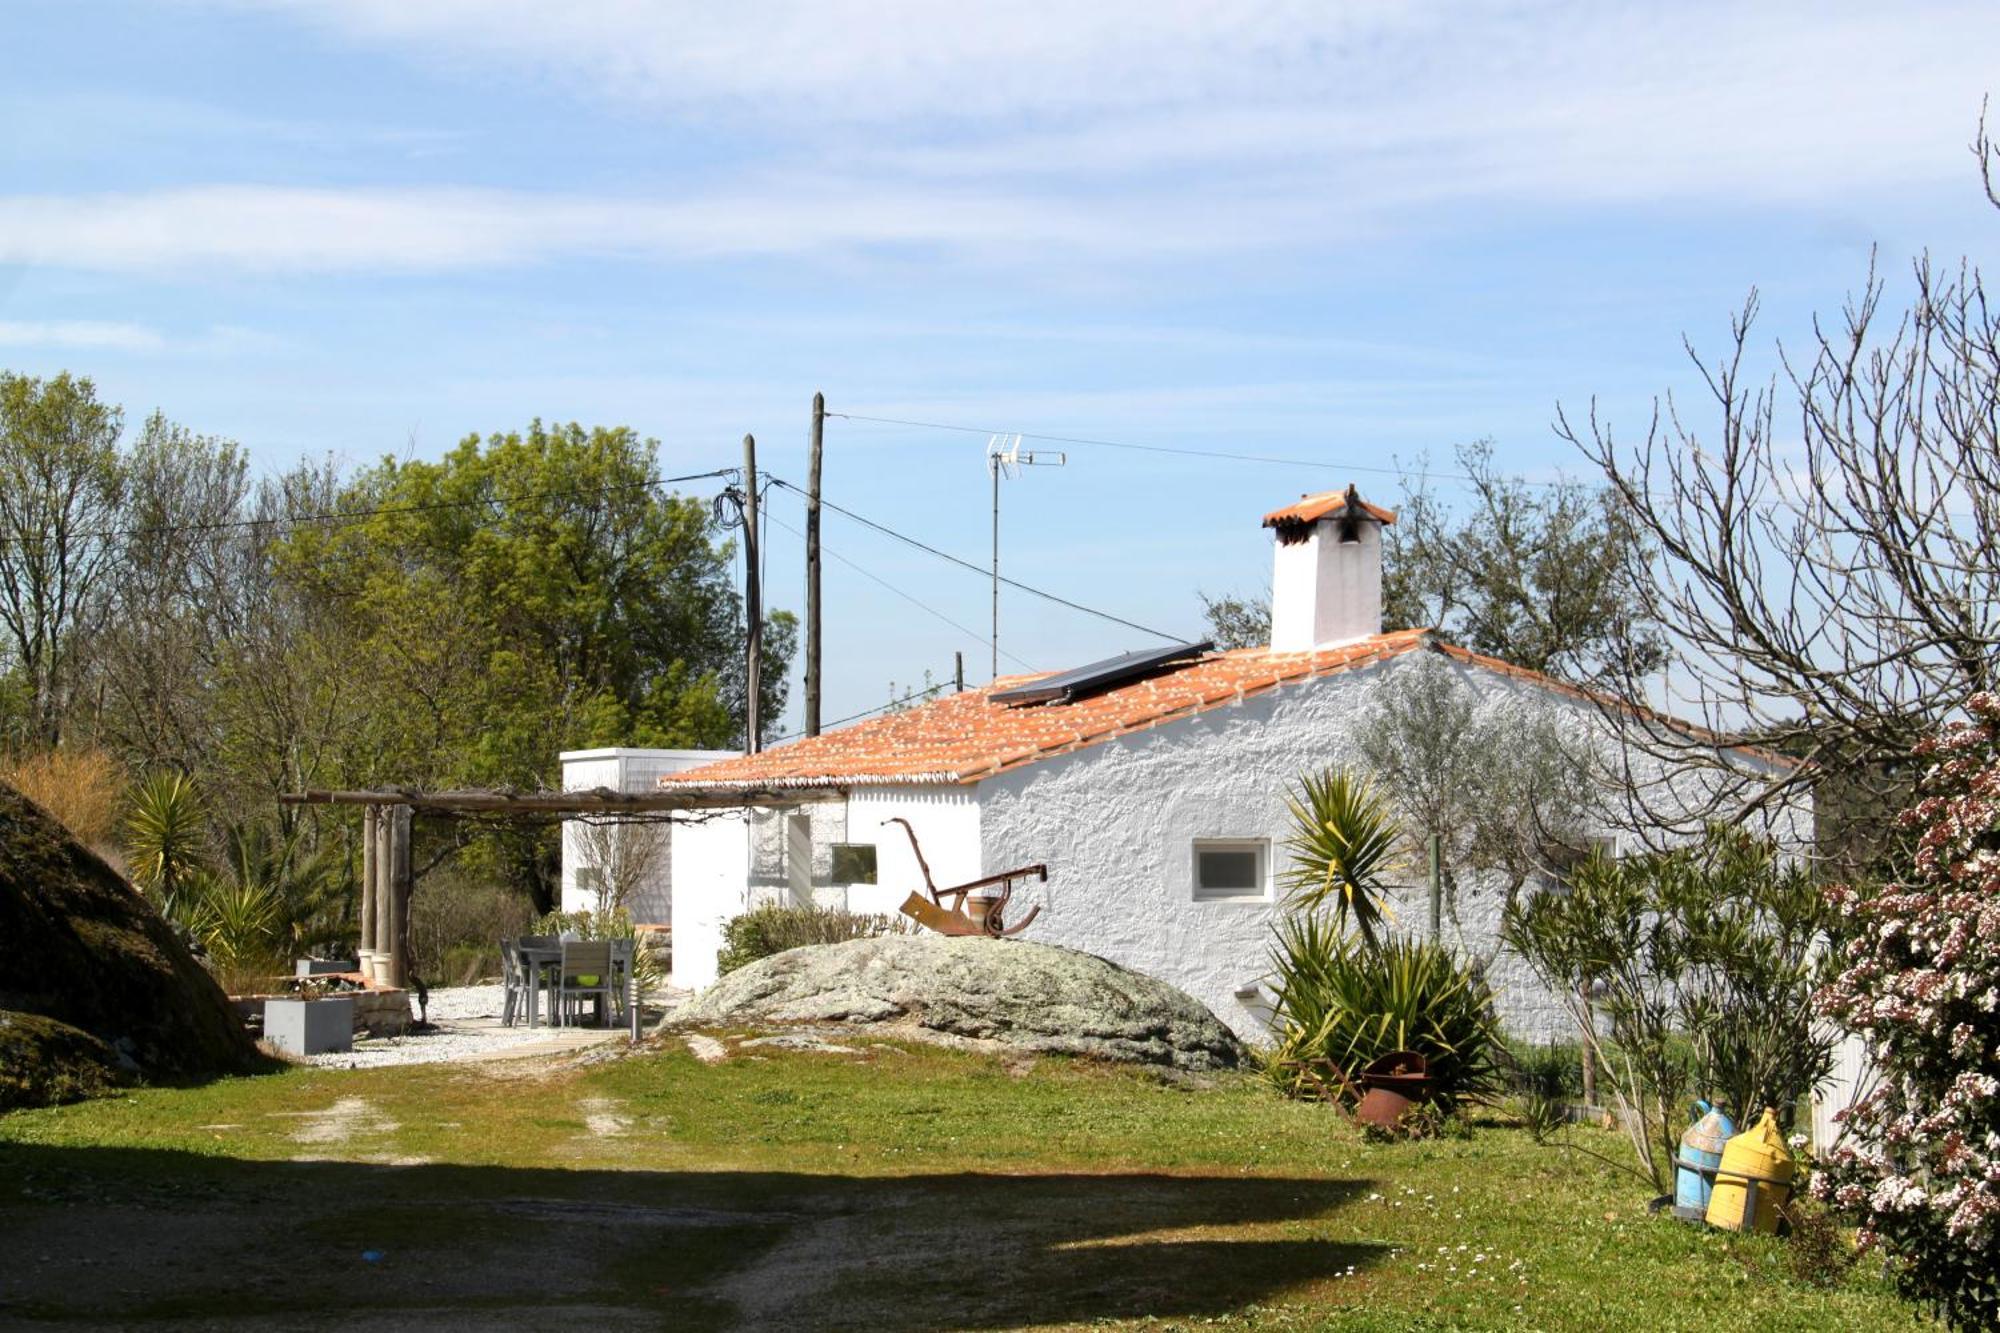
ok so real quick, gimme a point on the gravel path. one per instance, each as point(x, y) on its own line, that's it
point(468, 1022)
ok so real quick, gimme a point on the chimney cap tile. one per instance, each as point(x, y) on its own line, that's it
point(1326, 504)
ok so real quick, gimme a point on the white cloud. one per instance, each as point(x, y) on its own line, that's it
point(1554, 94)
point(1095, 137)
point(80, 333)
point(277, 228)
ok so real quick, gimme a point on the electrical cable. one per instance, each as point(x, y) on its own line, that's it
point(1088, 442)
point(426, 506)
point(983, 570)
point(921, 605)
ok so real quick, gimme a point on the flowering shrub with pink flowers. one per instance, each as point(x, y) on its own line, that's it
point(1920, 1160)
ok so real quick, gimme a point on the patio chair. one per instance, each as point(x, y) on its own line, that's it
point(585, 971)
point(514, 983)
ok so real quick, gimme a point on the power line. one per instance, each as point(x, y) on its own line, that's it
point(419, 507)
point(1089, 442)
point(875, 578)
point(982, 570)
point(869, 712)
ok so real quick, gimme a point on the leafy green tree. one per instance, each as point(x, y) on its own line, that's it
point(1543, 576)
point(528, 593)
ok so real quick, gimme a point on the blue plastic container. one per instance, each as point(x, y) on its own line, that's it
point(1700, 1155)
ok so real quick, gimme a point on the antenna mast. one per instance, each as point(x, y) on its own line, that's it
point(1005, 457)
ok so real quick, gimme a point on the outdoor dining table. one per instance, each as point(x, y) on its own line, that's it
point(538, 961)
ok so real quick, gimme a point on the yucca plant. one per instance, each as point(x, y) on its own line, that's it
point(239, 925)
point(1346, 1002)
point(164, 839)
point(308, 887)
point(1342, 844)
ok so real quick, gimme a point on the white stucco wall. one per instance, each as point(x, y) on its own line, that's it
point(1116, 823)
point(946, 820)
point(711, 861)
point(628, 770)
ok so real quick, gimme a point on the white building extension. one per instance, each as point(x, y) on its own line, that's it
point(1158, 800)
point(635, 859)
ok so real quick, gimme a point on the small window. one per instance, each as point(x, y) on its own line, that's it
point(1230, 869)
point(854, 863)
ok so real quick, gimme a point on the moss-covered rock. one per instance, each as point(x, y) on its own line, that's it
point(80, 946)
point(43, 1062)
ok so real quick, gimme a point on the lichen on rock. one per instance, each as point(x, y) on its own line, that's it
point(1037, 997)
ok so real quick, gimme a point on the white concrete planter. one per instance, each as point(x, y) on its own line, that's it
point(310, 1027)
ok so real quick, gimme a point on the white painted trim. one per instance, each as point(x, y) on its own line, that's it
point(1261, 846)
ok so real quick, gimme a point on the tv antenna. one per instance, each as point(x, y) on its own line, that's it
point(1005, 458)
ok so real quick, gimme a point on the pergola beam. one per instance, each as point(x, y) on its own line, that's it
point(595, 801)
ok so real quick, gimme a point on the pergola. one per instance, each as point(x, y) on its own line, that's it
point(388, 877)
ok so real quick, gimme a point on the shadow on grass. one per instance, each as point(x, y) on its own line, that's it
point(115, 1234)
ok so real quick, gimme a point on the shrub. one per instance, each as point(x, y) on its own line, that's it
point(81, 788)
point(763, 931)
point(649, 966)
point(1920, 973)
point(1702, 961)
point(166, 839)
point(1343, 1002)
point(457, 921)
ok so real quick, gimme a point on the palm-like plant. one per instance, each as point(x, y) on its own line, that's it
point(306, 887)
point(164, 837)
point(1343, 843)
point(1346, 1003)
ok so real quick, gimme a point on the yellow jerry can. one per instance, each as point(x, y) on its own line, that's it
point(1754, 1179)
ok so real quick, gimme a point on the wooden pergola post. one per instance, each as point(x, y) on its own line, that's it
point(385, 900)
point(369, 815)
point(400, 883)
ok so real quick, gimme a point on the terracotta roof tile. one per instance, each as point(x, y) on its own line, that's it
point(967, 737)
point(1325, 504)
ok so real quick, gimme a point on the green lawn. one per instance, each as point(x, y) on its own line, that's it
point(907, 1188)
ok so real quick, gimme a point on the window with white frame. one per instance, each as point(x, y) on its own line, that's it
point(1232, 870)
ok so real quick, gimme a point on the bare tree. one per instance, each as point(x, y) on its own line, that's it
point(624, 858)
point(1830, 586)
point(61, 496)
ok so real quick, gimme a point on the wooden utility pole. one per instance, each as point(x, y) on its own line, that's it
point(753, 606)
point(958, 671)
point(812, 566)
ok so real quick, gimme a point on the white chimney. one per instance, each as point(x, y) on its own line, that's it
point(1326, 579)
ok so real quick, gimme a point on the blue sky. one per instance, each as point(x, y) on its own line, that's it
point(1353, 234)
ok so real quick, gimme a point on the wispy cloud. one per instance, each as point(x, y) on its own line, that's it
point(79, 333)
point(1107, 134)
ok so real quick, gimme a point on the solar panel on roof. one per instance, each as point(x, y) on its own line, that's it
point(1067, 685)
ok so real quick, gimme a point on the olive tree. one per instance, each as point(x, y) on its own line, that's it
point(1491, 778)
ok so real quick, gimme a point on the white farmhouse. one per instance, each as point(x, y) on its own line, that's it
point(1157, 799)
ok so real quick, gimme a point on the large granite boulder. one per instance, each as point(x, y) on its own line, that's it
point(1034, 996)
point(95, 988)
